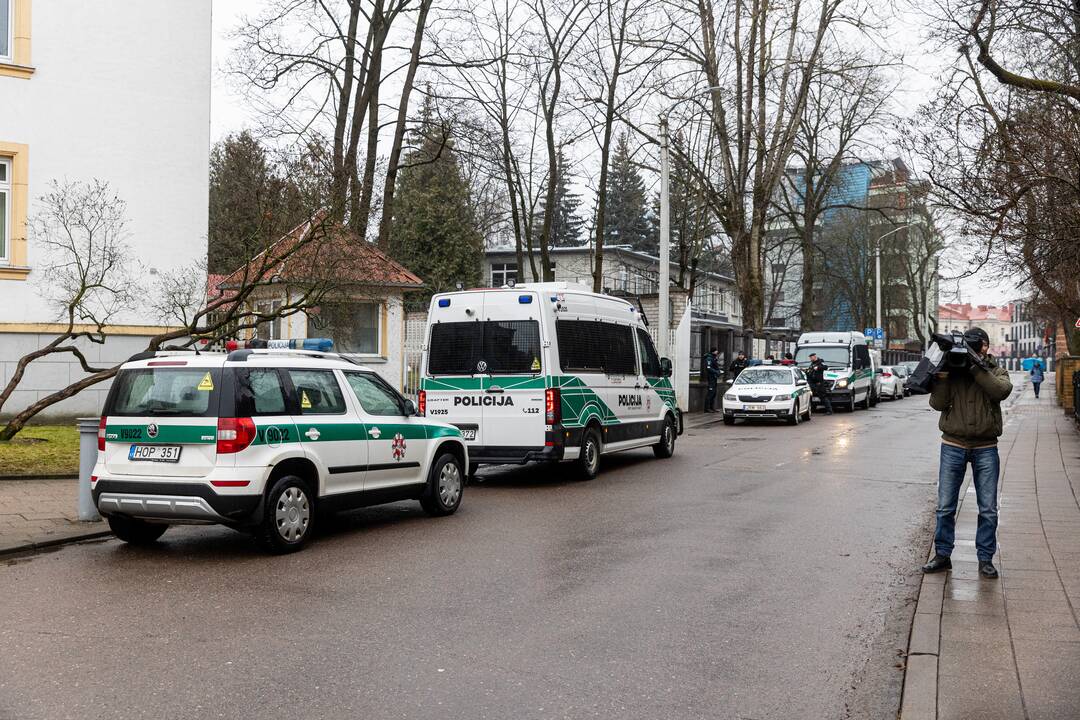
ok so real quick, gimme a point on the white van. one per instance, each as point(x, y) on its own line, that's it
point(546, 372)
point(850, 375)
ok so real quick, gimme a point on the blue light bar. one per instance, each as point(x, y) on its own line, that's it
point(320, 344)
point(444, 302)
point(525, 299)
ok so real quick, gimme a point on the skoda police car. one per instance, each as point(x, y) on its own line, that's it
point(264, 440)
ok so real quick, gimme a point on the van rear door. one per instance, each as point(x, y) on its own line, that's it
point(514, 388)
point(162, 420)
point(453, 376)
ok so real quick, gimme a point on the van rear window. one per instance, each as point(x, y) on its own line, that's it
point(497, 347)
point(175, 392)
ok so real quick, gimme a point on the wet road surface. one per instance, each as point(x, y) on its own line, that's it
point(765, 571)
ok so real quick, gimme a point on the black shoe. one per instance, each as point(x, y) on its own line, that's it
point(939, 563)
point(987, 570)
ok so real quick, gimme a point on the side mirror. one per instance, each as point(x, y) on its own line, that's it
point(665, 367)
point(801, 383)
point(409, 408)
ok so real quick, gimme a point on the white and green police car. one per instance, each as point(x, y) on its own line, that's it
point(546, 372)
point(264, 440)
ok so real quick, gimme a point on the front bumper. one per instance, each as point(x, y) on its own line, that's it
point(773, 411)
point(174, 502)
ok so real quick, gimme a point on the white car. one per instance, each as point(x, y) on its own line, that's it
point(773, 392)
point(263, 440)
point(892, 382)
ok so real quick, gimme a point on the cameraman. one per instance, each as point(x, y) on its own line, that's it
point(969, 400)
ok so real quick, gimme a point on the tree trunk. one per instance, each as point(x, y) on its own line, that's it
point(19, 420)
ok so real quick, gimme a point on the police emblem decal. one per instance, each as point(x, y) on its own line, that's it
point(398, 446)
point(151, 430)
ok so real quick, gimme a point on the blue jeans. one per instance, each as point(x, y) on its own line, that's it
point(985, 467)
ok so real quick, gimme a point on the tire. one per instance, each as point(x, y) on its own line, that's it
point(134, 531)
point(872, 399)
point(809, 411)
point(796, 416)
point(473, 467)
point(588, 462)
point(851, 403)
point(446, 483)
point(866, 400)
point(288, 516)
point(666, 447)
point(729, 420)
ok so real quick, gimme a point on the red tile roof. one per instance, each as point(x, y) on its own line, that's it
point(316, 251)
point(974, 313)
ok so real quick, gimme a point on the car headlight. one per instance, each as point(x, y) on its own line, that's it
point(785, 396)
point(730, 398)
point(842, 383)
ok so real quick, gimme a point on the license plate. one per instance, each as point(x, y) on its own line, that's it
point(468, 434)
point(155, 453)
point(754, 408)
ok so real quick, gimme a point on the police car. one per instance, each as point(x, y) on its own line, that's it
point(264, 440)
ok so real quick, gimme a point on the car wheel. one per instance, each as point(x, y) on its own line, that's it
point(588, 462)
point(134, 531)
point(851, 402)
point(729, 420)
point(288, 517)
point(446, 481)
point(795, 416)
point(809, 411)
point(666, 447)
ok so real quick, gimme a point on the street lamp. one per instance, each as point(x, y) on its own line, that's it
point(665, 226)
point(877, 278)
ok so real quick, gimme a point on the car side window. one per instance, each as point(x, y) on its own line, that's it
point(317, 392)
point(372, 396)
point(259, 391)
point(650, 361)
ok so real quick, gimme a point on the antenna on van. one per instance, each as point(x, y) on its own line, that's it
point(641, 310)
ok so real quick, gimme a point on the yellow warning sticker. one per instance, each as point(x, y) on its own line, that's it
point(536, 363)
point(305, 402)
point(207, 383)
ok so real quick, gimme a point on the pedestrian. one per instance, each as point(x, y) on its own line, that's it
point(788, 359)
point(737, 365)
point(815, 375)
point(969, 400)
point(769, 360)
point(710, 365)
point(1036, 375)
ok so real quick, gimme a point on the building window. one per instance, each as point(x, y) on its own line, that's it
point(7, 25)
point(354, 327)
point(503, 273)
point(269, 329)
point(5, 206)
point(15, 38)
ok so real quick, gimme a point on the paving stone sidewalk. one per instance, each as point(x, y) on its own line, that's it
point(38, 513)
point(1009, 648)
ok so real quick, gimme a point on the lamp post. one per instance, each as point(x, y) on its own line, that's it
point(877, 277)
point(665, 226)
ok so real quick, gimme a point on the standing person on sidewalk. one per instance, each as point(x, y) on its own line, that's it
point(815, 376)
point(1036, 375)
point(969, 400)
point(738, 365)
point(711, 366)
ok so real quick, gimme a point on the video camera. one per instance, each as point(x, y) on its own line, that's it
point(961, 350)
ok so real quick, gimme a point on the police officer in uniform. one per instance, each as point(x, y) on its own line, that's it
point(815, 375)
point(710, 365)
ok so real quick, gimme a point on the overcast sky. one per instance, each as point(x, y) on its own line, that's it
point(229, 112)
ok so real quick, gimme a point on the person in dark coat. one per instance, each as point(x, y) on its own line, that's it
point(738, 365)
point(1037, 375)
point(710, 366)
point(815, 375)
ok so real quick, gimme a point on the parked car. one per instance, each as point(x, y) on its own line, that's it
point(892, 383)
point(263, 440)
point(769, 392)
point(903, 372)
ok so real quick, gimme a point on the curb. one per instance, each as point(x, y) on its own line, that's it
point(53, 542)
point(60, 476)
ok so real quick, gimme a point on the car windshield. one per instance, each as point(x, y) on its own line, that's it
point(763, 376)
point(493, 346)
point(834, 357)
point(181, 392)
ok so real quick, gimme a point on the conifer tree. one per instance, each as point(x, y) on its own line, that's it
point(626, 218)
point(566, 225)
point(434, 231)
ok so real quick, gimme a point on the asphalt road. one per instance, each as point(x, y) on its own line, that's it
point(765, 571)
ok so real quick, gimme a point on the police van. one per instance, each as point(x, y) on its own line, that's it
point(263, 440)
point(546, 372)
point(850, 377)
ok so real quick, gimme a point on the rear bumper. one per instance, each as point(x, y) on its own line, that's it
point(191, 502)
point(513, 455)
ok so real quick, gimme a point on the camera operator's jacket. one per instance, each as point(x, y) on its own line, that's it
point(970, 404)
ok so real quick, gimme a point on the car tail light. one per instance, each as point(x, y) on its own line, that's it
point(101, 433)
point(93, 479)
point(421, 403)
point(234, 434)
point(552, 406)
point(886, 374)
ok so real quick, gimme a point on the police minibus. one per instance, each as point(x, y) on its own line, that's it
point(546, 372)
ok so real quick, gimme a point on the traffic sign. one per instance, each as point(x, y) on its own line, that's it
point(874, 333)
point(1078, 322)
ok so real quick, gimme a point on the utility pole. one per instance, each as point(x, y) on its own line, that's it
point(665, 242)
point(877, 278)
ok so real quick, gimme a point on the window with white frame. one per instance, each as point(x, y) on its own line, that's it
point(354, 327)
point(502, 273)
point(269, 329)
point(7, 22)
point(5, 207)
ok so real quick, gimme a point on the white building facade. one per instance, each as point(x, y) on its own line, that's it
point(115, 91)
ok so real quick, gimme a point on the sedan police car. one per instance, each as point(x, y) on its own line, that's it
point(264, 440)
point(771, 392)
